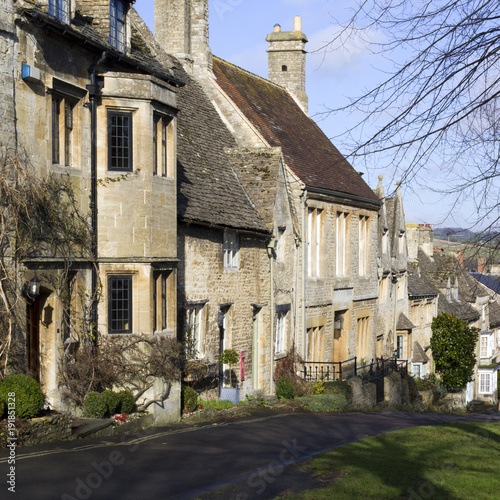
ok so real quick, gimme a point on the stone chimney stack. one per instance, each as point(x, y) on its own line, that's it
point(181, 28)
point(287, 60)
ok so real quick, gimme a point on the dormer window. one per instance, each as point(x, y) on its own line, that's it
point(117, 19)
point(60, 10)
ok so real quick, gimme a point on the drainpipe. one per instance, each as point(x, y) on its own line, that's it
point(94, 90)
point(270, 253)
point(303, 242)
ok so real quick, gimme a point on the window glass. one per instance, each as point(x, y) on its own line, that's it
point(120, 304)
point(117, 24)
point(119, 141)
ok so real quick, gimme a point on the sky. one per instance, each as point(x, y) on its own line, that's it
point(238, 29)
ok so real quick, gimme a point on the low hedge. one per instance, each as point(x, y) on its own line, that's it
point(94, 405)
point(323, 402)
point(29, 397)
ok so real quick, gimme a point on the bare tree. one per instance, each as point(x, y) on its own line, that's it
point(438, 107)
point(38, 217)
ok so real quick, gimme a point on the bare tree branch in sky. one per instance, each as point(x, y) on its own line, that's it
point(436, 111)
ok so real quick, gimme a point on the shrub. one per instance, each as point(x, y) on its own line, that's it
point(189, 398)
point(127, 402)
point(94, 405)
point(217, 404)
point(318, 387)
point(2, 408)
point(285, 389)
point(29, 395)
point(412, 388)
point(453, 344)
point(323, 402)
point(339, 387)
point(112, 400)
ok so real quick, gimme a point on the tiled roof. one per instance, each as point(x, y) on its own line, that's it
point(436, 271)
point(404, 323)
point(489, 280)
point(494, 309)
point(419, 355)
point(135, 60)
point(282, 123)
point(418, 287)
point(208, 190)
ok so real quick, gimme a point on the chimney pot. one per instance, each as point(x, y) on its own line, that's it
point(277, 28)
point(297, 23)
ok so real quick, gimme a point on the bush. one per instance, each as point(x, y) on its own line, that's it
point(217, 404)
point(412, 389)
point(285, 389)
point(2, 408)
point(318, 387)
point(29, 395)
point(323, 402)
point(94, 405)
point(127, 402)
point(112, 400)
point(339, 387)
point(189, 398)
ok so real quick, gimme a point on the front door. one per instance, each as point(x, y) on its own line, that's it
point(33, 338)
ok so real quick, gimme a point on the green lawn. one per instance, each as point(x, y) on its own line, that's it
point(442, 462)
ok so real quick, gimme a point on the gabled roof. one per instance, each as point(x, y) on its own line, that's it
point(490, 280)
point(404, 323)
point(208, 190)
point(440, 269)
point(282, 123)
point(419, 355)
point(138, 59)
point(417, 287)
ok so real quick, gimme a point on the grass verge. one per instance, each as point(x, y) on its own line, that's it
point(452, 461)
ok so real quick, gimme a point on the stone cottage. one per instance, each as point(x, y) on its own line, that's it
point(83, 98)
point(322, 215)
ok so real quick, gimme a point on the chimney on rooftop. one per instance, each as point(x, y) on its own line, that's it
point(181, 28)
point(287, 60)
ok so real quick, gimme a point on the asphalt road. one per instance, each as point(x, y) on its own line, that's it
point(246, 457)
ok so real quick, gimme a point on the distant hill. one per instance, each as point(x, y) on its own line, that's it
point(460, 235)
point(453, 234)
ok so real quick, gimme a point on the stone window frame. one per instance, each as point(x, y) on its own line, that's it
point(163, 145)
point(65, 122)
point(363, 331)
point(315, 237)
point(231, 249)
point(195, 318)
point(342, 223)
point(124, 278)
point(118, 24)
point(61, 10)
point(364, 225)
point(130, 138)
point(487, 383)
point(486, 345)
point(281, 329)
point(164, 311)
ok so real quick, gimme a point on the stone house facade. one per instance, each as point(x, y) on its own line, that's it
point(92, 104)
point(322, 216)
point(458, 294)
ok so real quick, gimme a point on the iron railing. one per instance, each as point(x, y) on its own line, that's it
point(331, 371)
point(328, 372)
